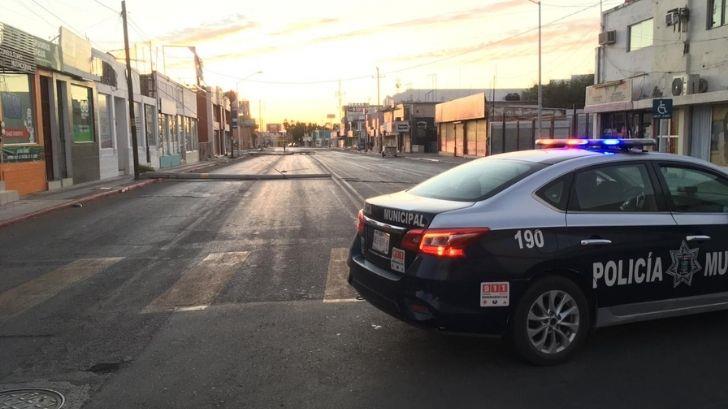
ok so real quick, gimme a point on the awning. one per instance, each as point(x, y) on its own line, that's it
point(609, 107)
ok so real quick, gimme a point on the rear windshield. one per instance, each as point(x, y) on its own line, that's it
point(476, 180)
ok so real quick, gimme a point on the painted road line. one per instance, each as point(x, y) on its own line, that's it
point(34, 292)
point(199, 285)
point(337, 288)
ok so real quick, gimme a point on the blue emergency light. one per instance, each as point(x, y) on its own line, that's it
point(599, 144)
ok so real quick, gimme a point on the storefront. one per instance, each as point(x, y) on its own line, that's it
point(176, 118)
point(22, 162)
point(462, 126)
point(719, 136)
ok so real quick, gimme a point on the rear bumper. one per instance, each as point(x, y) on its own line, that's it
point(426, 303)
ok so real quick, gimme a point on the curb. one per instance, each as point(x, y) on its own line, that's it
point(71, 202)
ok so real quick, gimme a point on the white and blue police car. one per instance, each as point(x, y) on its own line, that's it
point(541, 246)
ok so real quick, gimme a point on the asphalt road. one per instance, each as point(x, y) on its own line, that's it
point(199, 294)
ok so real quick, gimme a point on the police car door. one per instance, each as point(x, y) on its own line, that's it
point(619, 233)
point(698, 198)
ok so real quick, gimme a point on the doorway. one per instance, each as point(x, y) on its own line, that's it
point(45, 106)
point(122, 135)
point(63, 120)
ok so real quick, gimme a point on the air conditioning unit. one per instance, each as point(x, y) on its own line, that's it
point(672, 18)
point(607, 37)
point(688, 84)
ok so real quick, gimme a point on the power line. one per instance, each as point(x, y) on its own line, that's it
point(470, 50)
point(56, 16)
point(107, 7)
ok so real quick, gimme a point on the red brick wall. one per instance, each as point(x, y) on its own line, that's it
point(25, 177)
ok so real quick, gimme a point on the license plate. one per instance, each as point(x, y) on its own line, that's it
point(380, 242)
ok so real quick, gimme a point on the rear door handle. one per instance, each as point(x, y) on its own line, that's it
point(595, 242)
point(697, 238)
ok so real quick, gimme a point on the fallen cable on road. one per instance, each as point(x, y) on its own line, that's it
point(224, 176)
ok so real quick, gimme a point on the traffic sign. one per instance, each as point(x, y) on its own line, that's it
point(662, 108)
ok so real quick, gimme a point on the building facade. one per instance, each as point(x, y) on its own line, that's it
point(177, 125)
point(671, 50)
point(112, 113)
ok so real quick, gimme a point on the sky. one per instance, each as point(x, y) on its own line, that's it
point(295, 59)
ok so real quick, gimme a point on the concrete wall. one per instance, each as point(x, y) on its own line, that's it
point(617, 63)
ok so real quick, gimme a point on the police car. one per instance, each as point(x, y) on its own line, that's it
point(541, 246)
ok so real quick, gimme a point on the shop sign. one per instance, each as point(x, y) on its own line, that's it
point(610, 92)
point(22, 153)
point(16, 50)
point(662, 108)
point(462, 109)
point(75, 52)
point(402, 126)
point(234, 119)
point(46, 54)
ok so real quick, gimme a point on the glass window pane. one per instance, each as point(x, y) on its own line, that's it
point(149, 124)
point(475, 180)
point(716, 13)
point(105, 137)
point(695, 191)
point(17, 109)
point(640, 35)
point(83, 121)
point(554, 193)
point(138, 123)
point(621, 188)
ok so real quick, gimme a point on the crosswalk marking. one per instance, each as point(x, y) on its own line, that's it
point(34, 292)
point(198, 286)
point(337, 287)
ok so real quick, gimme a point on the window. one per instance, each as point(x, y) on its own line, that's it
point(105, 137)
point(696, 191)
point(149, 124)
point(138, 123)
point(640, 35)
point(476, 180)
point(82, 108)
point(555, 193)
point(616, 188)
point(719, 136)
point(15, 100)
point(716, 13)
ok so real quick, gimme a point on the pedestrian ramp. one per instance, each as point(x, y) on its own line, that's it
point(29, 294)
point(337, 288)
point(197, 288)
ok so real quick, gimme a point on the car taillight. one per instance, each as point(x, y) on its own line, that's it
point(360, 222)
point(411, 240)
point(448, 243)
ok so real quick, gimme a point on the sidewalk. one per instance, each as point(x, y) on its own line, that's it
point(43, 202)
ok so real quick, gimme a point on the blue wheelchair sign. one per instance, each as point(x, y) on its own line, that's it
point(662, 108)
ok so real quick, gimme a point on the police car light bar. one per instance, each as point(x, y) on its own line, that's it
point(624, 144)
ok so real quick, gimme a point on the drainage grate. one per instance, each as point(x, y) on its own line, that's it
point(31, 398)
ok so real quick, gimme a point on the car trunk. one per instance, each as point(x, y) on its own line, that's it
point(389, 218)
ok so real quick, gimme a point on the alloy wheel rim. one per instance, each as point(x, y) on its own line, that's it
point(553, 322)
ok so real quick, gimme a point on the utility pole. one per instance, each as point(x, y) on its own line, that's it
point(540, 86)
point(130, 89)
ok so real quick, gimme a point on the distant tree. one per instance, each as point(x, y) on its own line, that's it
point(296, 130)
point(562, 94)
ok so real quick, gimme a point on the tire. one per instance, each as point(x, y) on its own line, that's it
point(550, 322)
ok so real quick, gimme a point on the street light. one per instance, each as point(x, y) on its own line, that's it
point(540, 89)
point(237, 96)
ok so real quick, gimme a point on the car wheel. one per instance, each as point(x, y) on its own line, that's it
point(550, 321)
